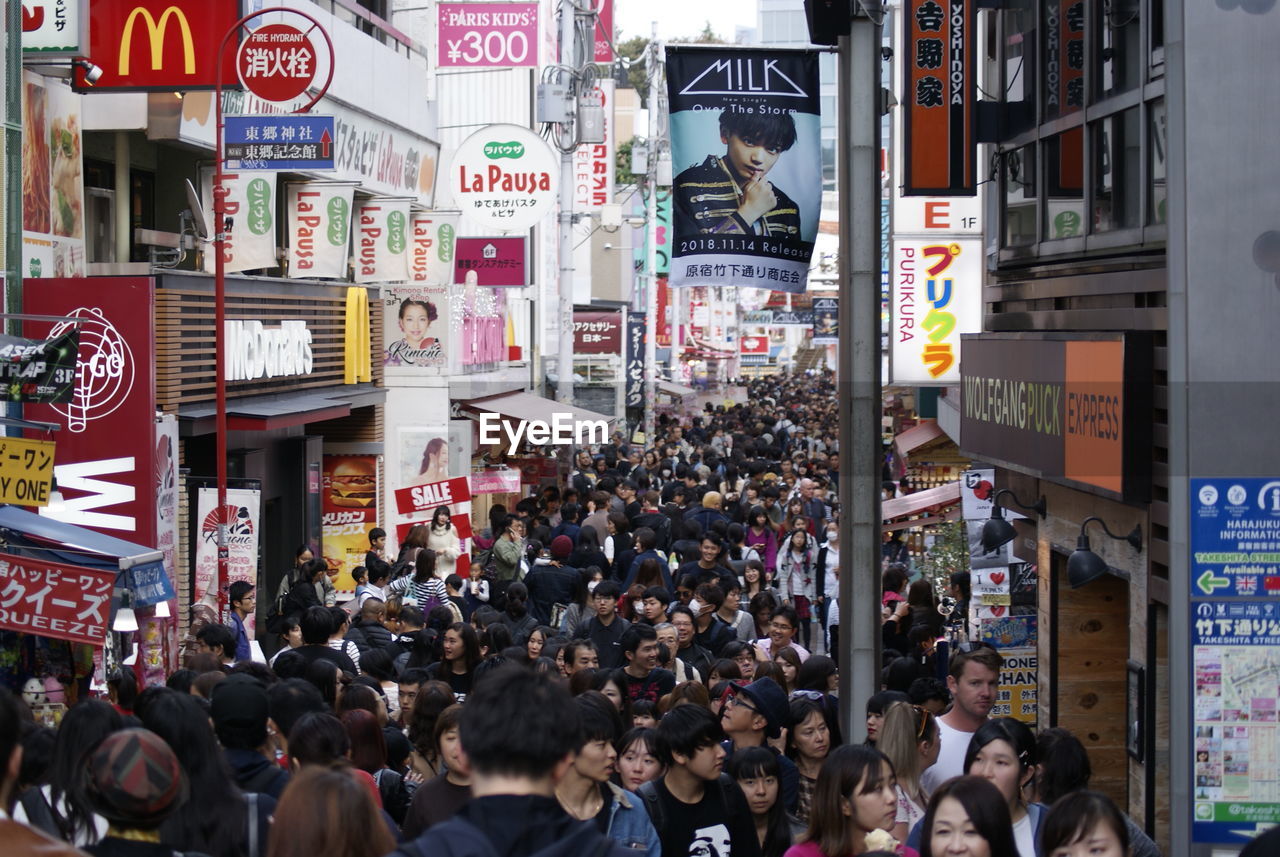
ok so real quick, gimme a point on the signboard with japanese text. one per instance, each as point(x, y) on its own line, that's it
point(26, 471)
point(53, 28)
point(38, 370)
point(826, 321)
point(939, 149)
point(744, 215)
point(251, 205)
point(1063, 57)
point(161, 45)
point(604, 32)
point(349, 510)
point(636, 323)
point(276, 62)
point(593, 166)
point(753, 345)
point(487, 35)
point(597, 333)
point(1235, 537)
point(243, 533)
point(319, 224)
point(415, 329)
point(505, 177)
point(292, 142)
point(937, 297)
point(496, 261)
point(53, 226)
point(382, 241)
point(67, 602)
point(432, 246)
point(503, 480)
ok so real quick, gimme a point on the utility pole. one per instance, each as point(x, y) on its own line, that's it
point(13, 172)
point(564, 360)
point(657, 80)
point(858, 372)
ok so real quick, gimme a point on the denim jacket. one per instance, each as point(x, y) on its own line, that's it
point(629, 824)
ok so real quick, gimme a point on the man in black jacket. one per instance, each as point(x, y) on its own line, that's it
point(652, 517)
point(367, 630)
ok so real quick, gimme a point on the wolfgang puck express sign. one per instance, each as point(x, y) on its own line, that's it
point(505, 177)
point(1071, 409)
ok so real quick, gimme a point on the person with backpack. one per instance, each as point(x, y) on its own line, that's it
point(697, 810)
point(514, 811)
point(423, 589)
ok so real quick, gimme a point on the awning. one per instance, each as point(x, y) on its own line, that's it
point(920, 435)
point(674, 389)
point(41, 536)
point(929, 500)
point(527, 406)
point(265, 413)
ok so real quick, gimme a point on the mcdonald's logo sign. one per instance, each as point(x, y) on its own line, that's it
point(168, 45)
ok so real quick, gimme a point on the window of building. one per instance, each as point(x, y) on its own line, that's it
point(1158, 191)
point(1116, 169)
point(1064, 185)
point(1020, 196)
point(1119, 52)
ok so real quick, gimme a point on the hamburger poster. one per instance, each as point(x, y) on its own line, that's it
point(350, 510)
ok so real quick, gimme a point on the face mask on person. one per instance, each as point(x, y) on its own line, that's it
point(696, 606)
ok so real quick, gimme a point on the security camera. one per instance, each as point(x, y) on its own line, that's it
point(92, 71)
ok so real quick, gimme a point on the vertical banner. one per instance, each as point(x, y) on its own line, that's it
point(251, 205)
point(158, 650)
point(937, 296)
point(634, 395)
point(242, 542)
point(349, 510)
point(745, 144)
point(604, 32)
point(52, 180)
point(432, 243)
point(940, 86)
point(382, 240)
point(415, 328)
point(319, 223)
point(593, 166)
point(665, 313)
point(826, 321)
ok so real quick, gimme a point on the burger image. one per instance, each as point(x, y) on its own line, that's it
point(353, 484)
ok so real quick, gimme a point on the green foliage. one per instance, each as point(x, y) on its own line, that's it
point(622, 164)
point(636, 50)
point(950, 552)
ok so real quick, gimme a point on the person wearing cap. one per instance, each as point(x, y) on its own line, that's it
point(135, 782)
point(19, 839)
point(754, 713)
point(240, 711)
point(553, 582)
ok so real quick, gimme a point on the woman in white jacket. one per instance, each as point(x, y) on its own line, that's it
point(443, 539)
point(797, 573)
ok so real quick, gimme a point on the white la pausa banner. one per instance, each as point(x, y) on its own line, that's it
point(432, 241)
point(242, 540)
point(251, 206)
point(319, 228)
point(382, 240)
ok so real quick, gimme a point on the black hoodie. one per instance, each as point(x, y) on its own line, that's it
point(512, 826)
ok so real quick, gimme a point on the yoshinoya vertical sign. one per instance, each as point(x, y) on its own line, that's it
point(939, 157)
point(319, 215)
point(745, 142)
point(433, 244)
point(251, 206)
point(382, 241)
point(937, 297)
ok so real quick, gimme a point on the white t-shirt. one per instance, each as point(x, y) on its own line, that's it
point(950, 757)
point(1023, 838)
point(909, 811)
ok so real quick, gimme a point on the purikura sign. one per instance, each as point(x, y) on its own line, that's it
point(382, 241)
point(505, 177)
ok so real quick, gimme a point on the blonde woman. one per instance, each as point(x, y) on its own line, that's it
point(909, 737)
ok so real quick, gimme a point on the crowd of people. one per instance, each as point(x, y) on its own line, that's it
point(634, 661)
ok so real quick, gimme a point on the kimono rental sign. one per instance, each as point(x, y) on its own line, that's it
point(745, 142)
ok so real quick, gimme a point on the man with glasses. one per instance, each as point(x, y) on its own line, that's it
point(782, 631)
point(753, 713)
point(973, 677)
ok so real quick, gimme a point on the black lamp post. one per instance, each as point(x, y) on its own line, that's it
point(997, 532)
point(1084, 566)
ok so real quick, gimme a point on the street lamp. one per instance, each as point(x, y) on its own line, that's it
point(997, 532)
point(1084, 566)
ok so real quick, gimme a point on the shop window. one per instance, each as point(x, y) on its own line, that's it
point(1118, 38)
point(1019, 61)
point(828, 164)
point(1064, 185)
point(1063, 52)
point(1156, 35)
point(1158, 191)
point(1020, 196)
point(1116, 171)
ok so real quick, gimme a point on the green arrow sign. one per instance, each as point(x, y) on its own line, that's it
point(1209, 584)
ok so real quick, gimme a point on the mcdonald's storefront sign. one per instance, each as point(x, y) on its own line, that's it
point(168, 45)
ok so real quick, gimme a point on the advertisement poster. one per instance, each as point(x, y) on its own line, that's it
point(251, 205)
point(937, 296)
point(382, 240)
point(39, 370)
point(826, 321)
point(415, 327)
point(52, 180)
point(319, 227)
point(424, 455)
point(597, 333)
point(416, 504)
point(67, 602)
point(349, 510)
point(745, 146)
point(432, 246)
point(505, 177)
point(242, 541)
point(495, 261)
point(1016, 696)
point(159, 649)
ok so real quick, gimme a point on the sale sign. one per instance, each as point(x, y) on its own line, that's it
point(424, 498)
point(487, 35)
point(69, 602)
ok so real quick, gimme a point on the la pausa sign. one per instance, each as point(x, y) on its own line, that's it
point(505, 176)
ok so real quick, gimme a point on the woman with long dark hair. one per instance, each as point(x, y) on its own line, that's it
point(808, 745)
point(758, 774)
point(588, 551)
point(854, 805)
point(797, 572)
point(516, 614)
point(760, 536)
point(435, 461)
point(460, 655)
point(1004, 751)
point(83, 728)
point(423, 588)
point(442, 538)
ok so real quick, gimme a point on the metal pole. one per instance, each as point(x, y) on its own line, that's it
point(651, 247)
point(220, 342)
point(858, 372)
point(13, 173)
point(564, 360)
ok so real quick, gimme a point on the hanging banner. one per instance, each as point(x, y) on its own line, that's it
point(939, 142)
point(242, 541)
point(505, 177)
point(349, 504)
point(52, 180)
point(319, 228)
point(745, 142)
point(39, 370)
point(501, 481)
point(593, 166)
point(67, 602)
point(432, 245)
point(382, 240)
point(604, 32)
point(636, 323)
point(251, 205)
point(415, 328)
point(937, 296)
point(158, 644)
point(826, 321)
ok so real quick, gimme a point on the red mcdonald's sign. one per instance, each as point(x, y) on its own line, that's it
point(168, 45)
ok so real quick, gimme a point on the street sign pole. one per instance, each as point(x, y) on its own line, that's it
point(220, 285)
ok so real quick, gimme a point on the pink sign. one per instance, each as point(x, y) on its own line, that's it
point(496, 261)
point(488, 35)
point(604, 32)
point(506, 481)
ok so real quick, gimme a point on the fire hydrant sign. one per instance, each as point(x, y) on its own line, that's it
point(505, 177)
point(276, 62)
point(488, 35)
point(69, 602)
point(26, 471)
